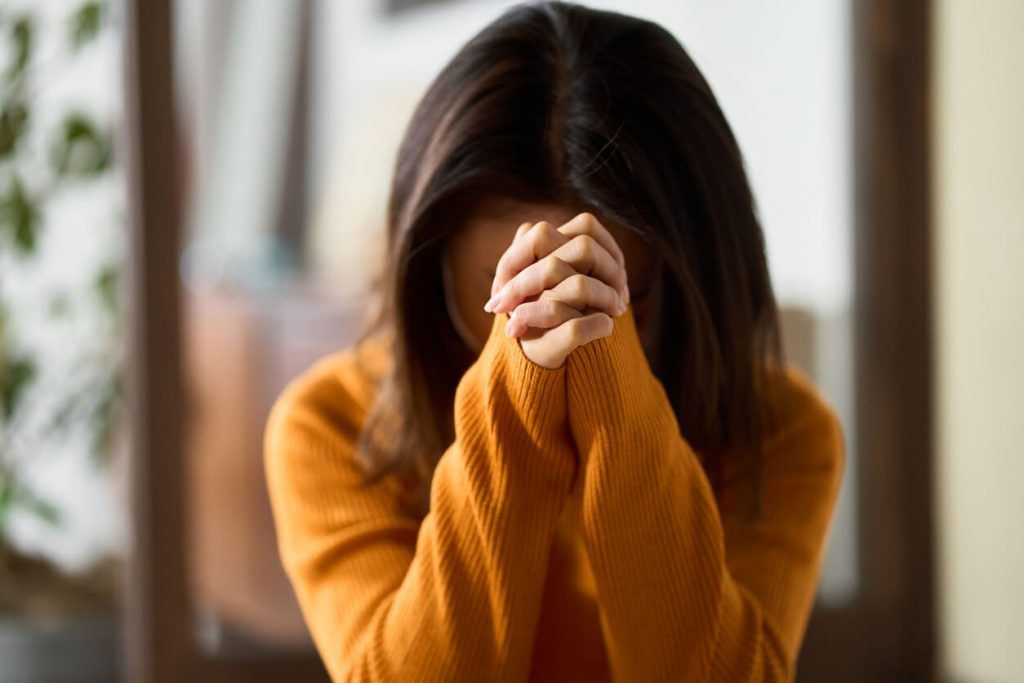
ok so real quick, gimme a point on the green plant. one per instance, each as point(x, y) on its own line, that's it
point(86, 398)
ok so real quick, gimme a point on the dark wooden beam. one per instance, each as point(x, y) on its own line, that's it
point(157, 645)
point(893, 314)
point(887, 632)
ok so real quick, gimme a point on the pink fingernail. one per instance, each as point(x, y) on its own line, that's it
point(508, 328)
point(492, 302)
point(500, 305)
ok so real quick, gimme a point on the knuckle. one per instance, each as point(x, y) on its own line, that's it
point(552, 268)
point(547, 295)
point(578, 285)
point(587, 220)
point(540, 230)
point(547, 227)
point(584, 245)
point(529, 237)
point(551, 310)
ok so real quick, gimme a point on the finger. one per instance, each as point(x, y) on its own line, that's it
point(539, 314)
point(587, 256)
point(582, 254)
point(579, 331)
point(533, 244)
point(587, 224)
point(520, 231)
point(523, 227)
point(530, 281)
point(583, 292)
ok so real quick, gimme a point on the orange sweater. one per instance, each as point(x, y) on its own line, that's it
point(572, 535)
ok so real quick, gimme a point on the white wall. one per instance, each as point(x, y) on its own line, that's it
point(780, 71)
point(235, 65)
point(979, 279)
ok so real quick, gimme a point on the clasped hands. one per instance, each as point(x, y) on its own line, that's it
point(560, 286)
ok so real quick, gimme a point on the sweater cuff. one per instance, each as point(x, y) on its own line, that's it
point(613, 363)
point(535, 393)
point(612, 389)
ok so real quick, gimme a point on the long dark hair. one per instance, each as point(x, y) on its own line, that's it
point(558, 103)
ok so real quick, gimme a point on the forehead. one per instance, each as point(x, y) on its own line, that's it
point(495, 219)
point(493, 212)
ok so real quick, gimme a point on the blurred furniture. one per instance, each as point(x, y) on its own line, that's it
point(241, 350)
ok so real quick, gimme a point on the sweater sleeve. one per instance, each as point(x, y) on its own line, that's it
point(456, 595)
point(689, 591)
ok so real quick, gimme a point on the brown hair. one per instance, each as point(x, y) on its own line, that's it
point(558, 103)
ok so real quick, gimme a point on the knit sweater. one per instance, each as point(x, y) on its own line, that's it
point(573, 534)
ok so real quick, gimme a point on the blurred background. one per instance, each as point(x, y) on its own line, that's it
point(192, 202)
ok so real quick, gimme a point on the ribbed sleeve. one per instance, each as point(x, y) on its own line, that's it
point(690, 591)
point(456, 597)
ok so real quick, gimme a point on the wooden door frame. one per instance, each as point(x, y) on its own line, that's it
point(887, 635)
point(158, 626)
point(156, 602)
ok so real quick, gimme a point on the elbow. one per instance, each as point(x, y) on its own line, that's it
point(749, 648)
point(776, 663)
point(368, 660)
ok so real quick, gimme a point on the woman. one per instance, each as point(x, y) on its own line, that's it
point(568, 448)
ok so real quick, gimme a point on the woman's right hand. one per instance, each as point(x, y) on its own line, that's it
point(561, 287)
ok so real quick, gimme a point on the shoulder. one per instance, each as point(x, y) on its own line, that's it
point(802, 428)
point(315, 481)
point(321, 411)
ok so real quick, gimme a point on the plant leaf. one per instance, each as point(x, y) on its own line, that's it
point(86, 23)
point(105, 420)
point(15, 377)
point(19, 214)
point(22, 34)
point(81, 149)
point(32, 503)
point(13, 119)
point(106, 287)
point(6, 500)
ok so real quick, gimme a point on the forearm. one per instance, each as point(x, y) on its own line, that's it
point(649, 525)
point(462, 602)
point(684, 595)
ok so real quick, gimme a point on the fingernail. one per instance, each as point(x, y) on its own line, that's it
point(492, 302)
point(500, 305)
point(508, 328)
